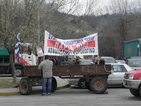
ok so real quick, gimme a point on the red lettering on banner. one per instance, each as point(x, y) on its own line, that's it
point(56, 44)
point(82, 45)
point(61, 46)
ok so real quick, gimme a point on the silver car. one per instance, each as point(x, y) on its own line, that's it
point(117, 75)
point(135, 63)
point(114, 79)
point(108, 59)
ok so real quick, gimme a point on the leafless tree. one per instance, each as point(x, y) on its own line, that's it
point(122, 25)
point(24, 16)
point(16, 16)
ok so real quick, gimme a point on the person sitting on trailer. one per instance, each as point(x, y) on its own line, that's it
point(100, 61)
point(77, 60)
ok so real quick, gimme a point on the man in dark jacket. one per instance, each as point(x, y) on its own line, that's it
point(100, 61)
point(46, 69)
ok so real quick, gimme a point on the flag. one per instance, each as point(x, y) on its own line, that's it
point(18, 45)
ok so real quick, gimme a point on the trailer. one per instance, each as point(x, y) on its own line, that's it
point(95, 77)
point(132, 48)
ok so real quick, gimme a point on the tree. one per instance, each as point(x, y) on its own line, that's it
point(8, 29)
point(22, 16)
point(17, 16)
point(122, 10)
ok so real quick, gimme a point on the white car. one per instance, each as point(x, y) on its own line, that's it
point(108, 59)
point(117, 75)
point(121, 61)
point(114, 79)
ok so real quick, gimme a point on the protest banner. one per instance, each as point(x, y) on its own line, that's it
point(58, 47)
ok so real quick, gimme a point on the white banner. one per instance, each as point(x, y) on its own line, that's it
point(58, 47)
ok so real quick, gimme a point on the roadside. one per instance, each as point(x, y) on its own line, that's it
point(7, 82)
point(12, 89)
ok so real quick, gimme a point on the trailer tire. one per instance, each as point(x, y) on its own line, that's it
point(19, 71)
point(134, 92)
point(25, 86)
point(54, 85)
point(98, 85)
point(81, 83)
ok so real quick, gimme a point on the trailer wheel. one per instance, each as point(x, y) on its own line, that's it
point(134, 92)
point(81, 83)
point(19, 71)
point(54, 85)
point(25, 86)
point(98, 85)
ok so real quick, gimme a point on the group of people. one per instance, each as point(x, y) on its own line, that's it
point(54, 60)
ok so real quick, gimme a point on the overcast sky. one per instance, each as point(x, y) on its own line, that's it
point(102, 3)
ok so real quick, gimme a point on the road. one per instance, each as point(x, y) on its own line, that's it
point(73, 96)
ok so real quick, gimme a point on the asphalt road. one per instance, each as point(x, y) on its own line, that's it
point(73, 96)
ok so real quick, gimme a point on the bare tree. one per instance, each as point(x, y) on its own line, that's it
point(123, 13)
point(65, 25)
point(8, 29)
point(17, 16)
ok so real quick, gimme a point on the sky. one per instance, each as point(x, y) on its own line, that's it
point(102, 4)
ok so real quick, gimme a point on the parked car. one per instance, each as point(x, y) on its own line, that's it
point(117, 75)
point(132, 81)
point(114, 79)
point(121, 61)
point(135, 63)
point(108, 59)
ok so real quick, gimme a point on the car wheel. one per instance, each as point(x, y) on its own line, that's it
point(81, 83)
point(135, 92)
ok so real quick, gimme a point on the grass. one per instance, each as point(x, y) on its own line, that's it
point(8, 83)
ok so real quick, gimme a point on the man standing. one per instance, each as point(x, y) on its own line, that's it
point(46, 70)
